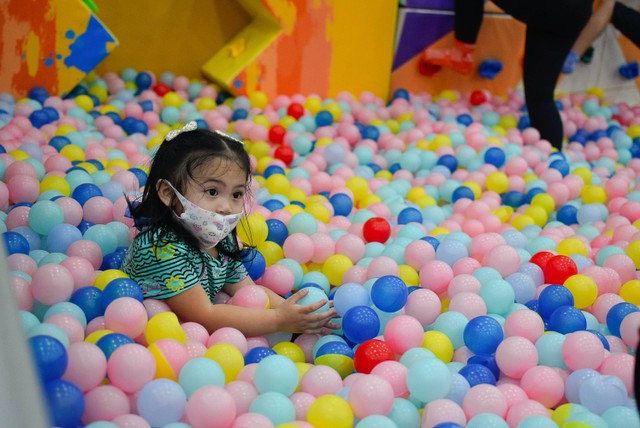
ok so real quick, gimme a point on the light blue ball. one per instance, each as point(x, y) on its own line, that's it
point(46, 329)
point(588, 418)
point(620, 416)
point(275, 406)
point(121, 232)
point(376, 421)
point(523, 287)
point(412, 355)
point(276, 373)
point(451, 250)
point(69, 309)
point(303, 223)
point(44, 215)
point(600, 393)
point(498, 295)
point(161, 402)
point(62, 236)
point(485, 274)
point(536, 421)
point(101, 424)
point(428, 379)
point(295, 268)
point(28, 320)
point(103, 236)
point(549, 348)
point(53, 258)
point(404, 414)
point(349, 295)
point(317, 277)
point(452, 324)
point(541, 243)
point(315, 295)
point(199, 372)
point(459, 388)
point(488, 420)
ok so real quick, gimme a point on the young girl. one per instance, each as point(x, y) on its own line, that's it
point(187, 250)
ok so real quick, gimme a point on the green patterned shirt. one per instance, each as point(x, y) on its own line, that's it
point(166, 269)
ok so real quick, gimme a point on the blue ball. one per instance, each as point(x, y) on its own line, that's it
point(278, 231)
point(435, 243)
point(121, 287)
point(61, 237)
point(371, 132)
point(89, 299)
point(324, 118)
point(603, 339)
point(273, 205)
point(342, 204)
point(448, 425)
point(495, 156)
point(410, 215)
point(616, 314)
point(254, 262)
point(273, 169)
point(360, 324)
point(561, 165)
point(113, 260)
point(567, 319)
point(462, 192)
point(531, 193)
point(239, 114)
point(255, 355)
point(448, 161)
point(464, 119)
point(477, 374)
point(39, 118)
point(513, 198)
point(15, 243)
point(140, 175)
point(483, 334)
point(58, 142)
point(85, 191)
point(112, 341)
point(568, 215)
point(389, 293)
point(65, 402)
point(143, 81)
point(489, 361)
point(84, 226)
point(50, 357)
point(39, 94)
point(335, 347)
point(551, 298)
point(400, 93)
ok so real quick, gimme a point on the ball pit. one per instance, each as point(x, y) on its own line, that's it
point(481, 279)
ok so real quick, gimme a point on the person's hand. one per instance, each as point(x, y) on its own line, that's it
point(295, 318)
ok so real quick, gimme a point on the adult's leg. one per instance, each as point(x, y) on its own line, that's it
point(627, 21)
point(468, 19)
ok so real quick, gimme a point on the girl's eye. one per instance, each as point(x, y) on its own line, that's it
point(238, 195)
point(212, 192)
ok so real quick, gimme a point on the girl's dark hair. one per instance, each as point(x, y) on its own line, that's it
point(177, 161)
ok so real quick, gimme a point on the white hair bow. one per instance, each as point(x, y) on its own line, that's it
point(191, 126)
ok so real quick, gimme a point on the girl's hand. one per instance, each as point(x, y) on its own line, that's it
point(295, 318)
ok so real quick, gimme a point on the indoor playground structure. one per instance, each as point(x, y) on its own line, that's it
point(482, 279)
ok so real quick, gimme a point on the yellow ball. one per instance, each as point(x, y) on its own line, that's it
point(438, 343)
point(334, 268)
point(296, 194)
point(597, 91)
point(163, 367)
point(409, 275)
point(521, 221)
point(261, 119)
point(633, 251)
point(475, 188)
point(583, 173)
point(260, 150)
point(253, 229)
point(440, 140)
point(423, 145)
point(330, 411)
point(449, 95)
point(426, 201)
point(570, 246)
point(72, 152)
point(19, 154)
point(164, 325)
point(439, 230)
point(290, 350)
point(54, 182)
point(206, 103)
point(278, 184)
point(335, 110)
point(97, 335)
point(358, 186)
point(89, 167)
point(503, 213)
point(415, 193)
point(508, 121)
point(563, 412)
point(271, 251)
point(228, 357)
point(319, 211)
point(172, 99)
point(545, 201)
point(634, 131)
point(287, 121)
point(65, 129)
point(99, 92)
point(313, 104)
point(538, 214)
point(497, 182)
point(393, 125)
point(630, 291)
point(499, 130)
point(584, 290)
point(116, 163)
point(85, 102)
point(404, 117)
point(258, 99)
point(368, 200)
point(294, 209)
point(106, 276)
point(593, 194)
point(384, 174)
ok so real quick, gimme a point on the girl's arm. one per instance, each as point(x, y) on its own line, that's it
point(275, 299)
point(194, 305)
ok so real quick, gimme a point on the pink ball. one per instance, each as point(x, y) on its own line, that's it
point(463, 283)
point(130, 421)
point(512, 393)
point(483, 243)
point(105, 403)
point(396, 374)
point(484, 398)
point(195, 349)
point(18, 216)
point(469, 304)
point(622, 366)
point(442, 410)
point(466, 265)
point(436, 276)
point(94, 325)
point(503, 258)
point(87, 365)
point(69, 324)
point(278, 278)
point(629, 329)
point(582, 350)
point(381, 266)
point(524, 323)
point(211, 407)
point(21, 289)
point(515, 356)
point(126, 315)
point(88, 250)
point(320, 380)
point(231, 336)
point(370, 395)
point(174, 352)
point(98, 210)
point(130, 367)
point(298, 247)
point(350, 245)
point(544, 385)
point(523, 409)
point(195, 331)
point(243, 394)
point(306, 343)
point(23, 188)
point(52, 284)
point(419, 252)
point(424, 305)
point(81, 269)
point(252, 420)
point(323, 247)
point(154, 306)
point(622, 264)
point(301, 403)
point(402, 333)
point(251, 296)
point(603, 304)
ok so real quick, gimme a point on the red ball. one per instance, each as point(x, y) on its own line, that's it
point(376, 229)
point(276, 134)
point(161, 89)
point(558, 269)
point(295, 110)
point(541, 258)
point(477, 98)
point(284, 153)
point(371, 353)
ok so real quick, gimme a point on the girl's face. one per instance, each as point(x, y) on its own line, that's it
point(219, 187)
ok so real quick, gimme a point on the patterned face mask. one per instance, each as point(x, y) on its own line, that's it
point(210, 228)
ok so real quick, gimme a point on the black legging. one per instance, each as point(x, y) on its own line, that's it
point(627, 20)
point(552, 28)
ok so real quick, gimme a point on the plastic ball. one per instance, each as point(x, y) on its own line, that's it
point(583, 289)
point(130, 367)
point(337, 355)
point(87, 365)
point(275, 406)
point(360, 323)
point(161, 402)
point(112, 341)
point(370, 395)
point(616, 315)
point(376, 229)
point(515, 355)
point(126, 315)
point(330, 411)
point(52, 283)
point(389, 293)
point(582, 349)
point(121, 287)
point(50, 357)
point(228, 357)
point(544, 385)
point(428, 379)
point(371, 353)
point(439, 344)
point(600, 393)
point(551, 298)
point(210, 403)
point(477, 374)
point(65, 402)
point(483, 334)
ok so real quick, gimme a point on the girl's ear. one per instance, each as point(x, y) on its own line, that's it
point(165, 193)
